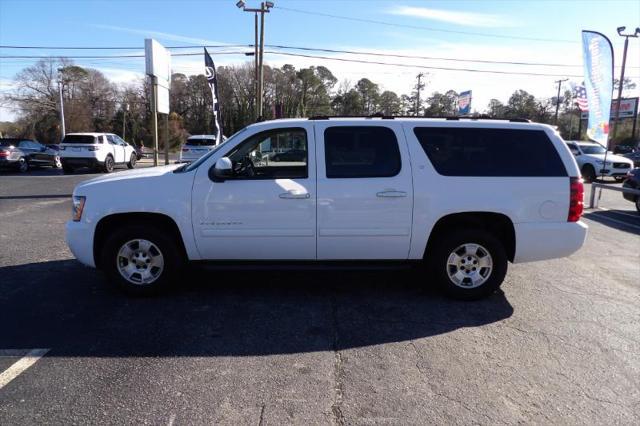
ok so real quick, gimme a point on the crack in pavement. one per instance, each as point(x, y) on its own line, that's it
point(338, 371)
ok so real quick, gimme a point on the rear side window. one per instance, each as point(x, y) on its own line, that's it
point(361, 152)
point(201, 142)
point(490, 152)
point(86, 139)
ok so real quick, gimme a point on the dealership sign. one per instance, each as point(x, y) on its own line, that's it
point(628, 109)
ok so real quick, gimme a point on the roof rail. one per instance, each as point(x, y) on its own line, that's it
point(391, 117)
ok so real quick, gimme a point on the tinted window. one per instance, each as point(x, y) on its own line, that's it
point(86, 139)
point(359, 152)
point(201, 142)
point(593, 149)
point(274, 154)
point(490, 152)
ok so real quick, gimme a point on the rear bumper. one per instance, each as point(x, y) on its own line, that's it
point(542, 241)
point(81, 162)
point(79, 236)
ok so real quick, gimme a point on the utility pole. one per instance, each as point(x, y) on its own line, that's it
point(62, 128)
point(419, 87)
point(559, 83)
point(125, 108)
point(621, 83)
point(259, 52)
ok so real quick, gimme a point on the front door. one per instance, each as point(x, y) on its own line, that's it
point(118, 149)
point(267, 209)
point(365, 191)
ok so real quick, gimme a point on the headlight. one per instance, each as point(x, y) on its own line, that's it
point(602, 162)
point(78, 207)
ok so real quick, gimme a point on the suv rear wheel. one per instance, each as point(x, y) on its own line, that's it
point(23, 165)
point(469, 264)
point(140, 260)
point(108, 164)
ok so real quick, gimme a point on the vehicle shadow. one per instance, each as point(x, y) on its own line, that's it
point(617, 219)
point(69, 308)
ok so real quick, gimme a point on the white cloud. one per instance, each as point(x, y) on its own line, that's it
point(469, 19)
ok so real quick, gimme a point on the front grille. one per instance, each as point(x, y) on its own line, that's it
point(621, 165)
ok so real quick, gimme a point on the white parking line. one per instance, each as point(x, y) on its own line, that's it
point(29, 357)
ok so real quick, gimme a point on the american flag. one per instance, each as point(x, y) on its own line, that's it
point(581, 97)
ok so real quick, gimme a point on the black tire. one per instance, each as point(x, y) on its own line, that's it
point(172, 257)
point(438, 262)
point(67, 170)
point(108, 164)
point(23, 165)
point(637, 203)
point(132, 161)
point(588, 173)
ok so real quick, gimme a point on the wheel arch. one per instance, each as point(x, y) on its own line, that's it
point(497, 223)
point(160, 221)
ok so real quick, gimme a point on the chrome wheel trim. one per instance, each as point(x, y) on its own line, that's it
point(57, 163)
point(24, 166)
point(109, 163)
point(140, 262)
point(469, 265)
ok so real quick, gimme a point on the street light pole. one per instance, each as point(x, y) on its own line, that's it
point(259, 52)
point(621, 83)
point(62, 128)
point(559, 82)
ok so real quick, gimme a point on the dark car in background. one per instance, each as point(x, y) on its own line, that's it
point(634, 156)
point(21, 154)
point(632, 182)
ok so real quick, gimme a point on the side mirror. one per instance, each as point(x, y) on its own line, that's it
point(222, 170)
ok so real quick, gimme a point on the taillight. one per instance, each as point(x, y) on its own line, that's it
point(185, 149)
point(576, 199)
point(4, 154)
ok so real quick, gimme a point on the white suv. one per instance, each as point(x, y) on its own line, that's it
point(590, 158)
point(195, 147)
point(98, 151)
point(453, 195)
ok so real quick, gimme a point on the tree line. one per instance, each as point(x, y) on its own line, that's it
point(93, 103)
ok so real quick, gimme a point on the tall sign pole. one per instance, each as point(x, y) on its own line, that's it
point(158, 67)
point(559, 83)
point(621, 83)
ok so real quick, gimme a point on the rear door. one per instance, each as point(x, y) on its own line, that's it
point(365, 191)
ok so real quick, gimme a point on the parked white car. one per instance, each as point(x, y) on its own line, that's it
point(453, 195)
point(98, 151)
point(195, 147)
point(590, 158)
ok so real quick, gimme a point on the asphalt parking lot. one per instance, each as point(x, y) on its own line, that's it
point(560, 344)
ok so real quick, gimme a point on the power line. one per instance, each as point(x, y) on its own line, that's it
point(418, 27)
point(403, 65)
point(303, 48)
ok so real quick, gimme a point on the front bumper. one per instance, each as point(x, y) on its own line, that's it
point(548, 240)
point(613, 172)
point(79, 236)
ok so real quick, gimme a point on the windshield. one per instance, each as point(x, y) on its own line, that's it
point(592, 149)
point(196, 164)
point(200, 142)
point(87, 139)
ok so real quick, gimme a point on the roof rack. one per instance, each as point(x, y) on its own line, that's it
point(391, 117)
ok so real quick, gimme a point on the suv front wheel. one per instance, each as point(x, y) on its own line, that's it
point(140, 260)
point(469, 264)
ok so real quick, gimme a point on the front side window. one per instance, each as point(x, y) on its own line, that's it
point(458, 151)
point(593, 149)
point(274, 154)
point(361, 152)
point(574, 149)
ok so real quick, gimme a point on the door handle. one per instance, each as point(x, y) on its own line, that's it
point(295, 195)
point(391, 193)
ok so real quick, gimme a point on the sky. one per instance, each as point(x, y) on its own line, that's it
point(539, 31)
